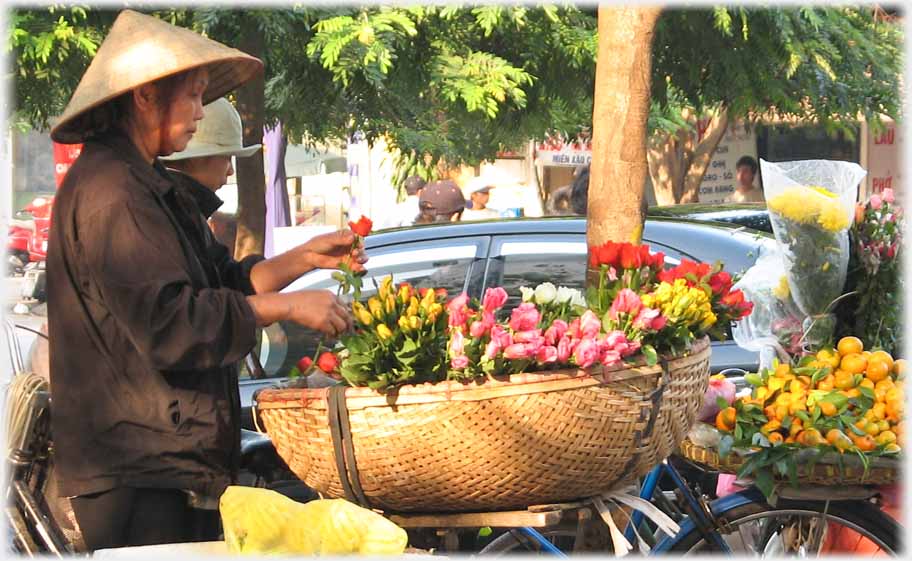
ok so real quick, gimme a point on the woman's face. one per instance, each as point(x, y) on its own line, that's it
point(183, 110)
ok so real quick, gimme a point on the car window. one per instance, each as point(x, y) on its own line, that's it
point(449, 264)
point(559, 259)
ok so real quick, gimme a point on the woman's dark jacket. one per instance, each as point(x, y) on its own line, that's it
point(147, 318)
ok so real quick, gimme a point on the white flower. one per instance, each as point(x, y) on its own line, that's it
point(527, 293)
point(545, 293)
point(564, 295)
point(578, 299)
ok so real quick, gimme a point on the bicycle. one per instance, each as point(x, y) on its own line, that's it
point(798, 523)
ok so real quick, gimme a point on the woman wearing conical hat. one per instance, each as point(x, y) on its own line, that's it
point(145, 324)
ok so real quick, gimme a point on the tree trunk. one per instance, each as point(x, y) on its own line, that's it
point(251, 176)
point(620, 110)
point(678, 162)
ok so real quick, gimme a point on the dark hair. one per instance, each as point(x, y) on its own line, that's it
point(749, 162)
point(579, 193)
point(98, 121)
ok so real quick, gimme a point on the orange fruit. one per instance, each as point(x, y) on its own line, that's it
point(828, 409)
point(865, 443)
point(798, 405)
point(769, 427)
point(775, 438)
point(884, 356)
point(770, 412)
point(852, 392)
point(784, 398)
point(877, 370)
point(795, 428)
point(867, 383)
point(726, 419)
point(894, 411)
point(810, 437)
point(844, 380)
point(853, 363)
point(880, 411)
point(838, 440)
point(827, 383)
point(797, 386)
point(871, 428)
point(830, 357)
point(806, 380)
point(790, 440)
point(886, 437)
point(850, 345)
point(892, 448)
point(783, 369)
point(883, 425)
point(899, 367)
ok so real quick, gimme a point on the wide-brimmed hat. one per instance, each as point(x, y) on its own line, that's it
point(219, 133)
point(442, 197)
point(141, 49)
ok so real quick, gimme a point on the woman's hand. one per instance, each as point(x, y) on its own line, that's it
point(327, 251)
point(320, 310)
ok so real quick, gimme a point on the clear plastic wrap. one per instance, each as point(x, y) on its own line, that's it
point(812, 205)
point(774, 327)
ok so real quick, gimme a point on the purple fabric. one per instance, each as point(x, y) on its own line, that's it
point(277, 212)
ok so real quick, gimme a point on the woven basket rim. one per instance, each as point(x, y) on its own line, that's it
point(733, 462)
point(483, 388)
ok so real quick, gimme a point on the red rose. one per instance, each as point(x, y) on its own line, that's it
point(305, 363)
point(441, 293)
point(362, 227)
point(658, 261)
point(645, 256)
point(736, 302)
point(630, 257)
point(610, 254)
point(328, 362)
point(720, 283)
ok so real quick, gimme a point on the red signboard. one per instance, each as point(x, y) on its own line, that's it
point(64, 156)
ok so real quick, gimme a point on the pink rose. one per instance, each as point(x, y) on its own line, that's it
point(888, 195)
point(610, 358)
point(517, 351)
point(458, 310)
point(632, 348)
point(626, 302)
point(494, 299)
point(527, 336)
point(615, 338)
point(564, 350)
point(491, 350)
point(546, 354)
point(586, 353)
point(457, 343)
point(478, 329)
point(459, 362)
point(876, 202)
point(590, 325)
point(501, 336)
point(524, 317)
point(646, 319)
point(574, 329)
point(659, 323)
point(556, 332)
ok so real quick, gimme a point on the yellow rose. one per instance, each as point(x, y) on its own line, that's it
point(390, 304)
point(385, 285)
point(403, 323)
point(384, 332)
point(376, 307)
point(415, 322)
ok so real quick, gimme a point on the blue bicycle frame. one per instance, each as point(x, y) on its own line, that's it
point(650, 484)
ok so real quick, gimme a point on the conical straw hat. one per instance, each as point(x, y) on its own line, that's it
point(140, 49)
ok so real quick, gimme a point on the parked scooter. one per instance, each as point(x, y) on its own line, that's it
point(27, 238)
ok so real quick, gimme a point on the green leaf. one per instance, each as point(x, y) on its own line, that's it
point(721, 403)
point(652, 357)
point(765, 482)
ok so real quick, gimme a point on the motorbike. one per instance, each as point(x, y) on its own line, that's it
point(27, 237)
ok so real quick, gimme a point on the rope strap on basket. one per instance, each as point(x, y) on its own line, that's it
point(656, 398)
point(343, 447)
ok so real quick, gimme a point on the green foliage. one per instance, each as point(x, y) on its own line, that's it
point(460, 83)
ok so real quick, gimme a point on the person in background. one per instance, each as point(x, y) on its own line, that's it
point(479, 210)
point(405, 212)
point(745, 191)
point(440, 201)
point(579, 195)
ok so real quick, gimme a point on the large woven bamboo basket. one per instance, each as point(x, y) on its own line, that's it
point(828, 471)
point(502, 444)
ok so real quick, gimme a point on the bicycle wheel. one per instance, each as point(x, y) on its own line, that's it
point(797, 527)
point(514, 541)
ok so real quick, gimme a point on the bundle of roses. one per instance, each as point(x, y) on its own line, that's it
point(399, 337)
point(620, 266)
point(535, 336)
